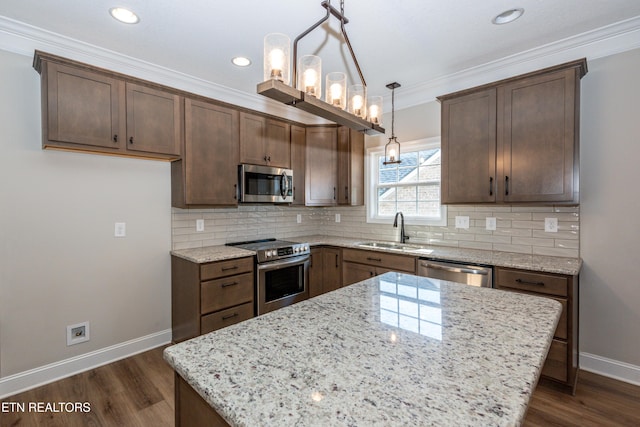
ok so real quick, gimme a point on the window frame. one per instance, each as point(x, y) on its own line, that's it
point(371, 173)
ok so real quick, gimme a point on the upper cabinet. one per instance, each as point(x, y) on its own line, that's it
point(321, 166)
point(208, 171)
point(87, 109)
point(350, 167)
point(514, 141)
point(264, 141)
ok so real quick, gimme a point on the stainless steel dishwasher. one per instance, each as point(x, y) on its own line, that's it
point(470, 274)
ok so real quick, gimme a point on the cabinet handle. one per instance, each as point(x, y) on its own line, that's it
point(506, 185)
point(491, 186)
point(294, 192)
point(337, 261)
point(226, 285)
point(346, 192)
point(115, 138)
point(374, 259)
point(235, 267)
point(527, 282)
point(235, 191)
point(371, 274)
point(310, 260)
point(334, 193)
point(229, 316)
point(269, 159)
point(130, 140)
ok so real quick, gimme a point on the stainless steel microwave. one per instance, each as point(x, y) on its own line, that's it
point(265, 184)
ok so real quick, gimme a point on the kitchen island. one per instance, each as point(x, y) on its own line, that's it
point(395, 349)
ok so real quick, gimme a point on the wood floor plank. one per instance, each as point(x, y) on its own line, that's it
point(138, 391)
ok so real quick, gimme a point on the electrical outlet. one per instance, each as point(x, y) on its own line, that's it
point(77, 333)
point(337, 217)
point(491, 223)
point(462, 222)
point(299, 218)
point(199, 224)
point(120, 229)
point(551, 225)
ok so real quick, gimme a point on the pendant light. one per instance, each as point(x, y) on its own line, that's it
point(392, 148)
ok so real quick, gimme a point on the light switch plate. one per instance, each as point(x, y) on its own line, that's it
point(299, 218)
point(491, 223)
point(120, 229)
point(462, 222)
point(337, 217)
point(551, 225)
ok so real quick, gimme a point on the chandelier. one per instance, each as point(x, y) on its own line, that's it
point(348, 106)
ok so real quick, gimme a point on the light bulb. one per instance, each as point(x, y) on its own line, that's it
point(392, 155)
point(276, 57)
point(310, 79)
point(374, 112)
point(357, 103)
point(336, 94)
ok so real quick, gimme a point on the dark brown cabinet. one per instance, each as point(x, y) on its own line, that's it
point(207, 297)
point(93, 110)
point(298, 163)
point(325, 270)
point(321, 166)
point(264, 141)
point(514, 141)
point(562, 361)
point(208, 171)
point(350, 167)
point(360, 264)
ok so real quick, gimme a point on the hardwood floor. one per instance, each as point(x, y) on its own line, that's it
point(138, 391)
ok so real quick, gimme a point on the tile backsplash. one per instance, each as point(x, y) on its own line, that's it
point(519, 228)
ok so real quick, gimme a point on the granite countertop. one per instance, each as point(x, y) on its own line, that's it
point(548, 264)
point(393, 350)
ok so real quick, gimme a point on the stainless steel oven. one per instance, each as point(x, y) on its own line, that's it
point(265, 184)
point(282, 273)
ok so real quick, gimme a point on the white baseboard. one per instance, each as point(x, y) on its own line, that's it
point(610, 368)
point(65, 368)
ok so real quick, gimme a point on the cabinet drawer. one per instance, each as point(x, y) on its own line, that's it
point(215, 270)
point(556, 364)
point(226, 292)
point(379, 259)
point(224, 318)
point(532, 282)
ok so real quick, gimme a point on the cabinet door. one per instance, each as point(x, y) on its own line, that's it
point(154, 122)
point(353, 272)
point(211, 154)
point(536, 138)
point(298, 161)
point(321, 172)
point(350, 167)
point(468, 148)
point(83, 108)
point(332, 269)
point(278, 144)
point(315, 273)
point(252, 139)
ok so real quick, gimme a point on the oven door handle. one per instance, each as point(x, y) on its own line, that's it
point(272, 265)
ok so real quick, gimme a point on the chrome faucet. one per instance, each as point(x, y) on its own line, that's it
point(403, 236)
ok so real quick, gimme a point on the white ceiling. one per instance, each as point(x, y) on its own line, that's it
point(419, 43)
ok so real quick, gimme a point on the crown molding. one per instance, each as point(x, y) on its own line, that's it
point(619, 37)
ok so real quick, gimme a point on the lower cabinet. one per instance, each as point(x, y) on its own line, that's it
point(211, 296)
point(562, 361)
point(325, 270)
point(358, 265)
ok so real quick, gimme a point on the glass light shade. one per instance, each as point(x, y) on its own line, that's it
point(392, 151)
point(336, 90)
point(358, 100)
point(277, 57)
point(310, 75)
point(375, 110)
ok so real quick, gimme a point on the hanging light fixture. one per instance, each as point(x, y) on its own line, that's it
point(305, 90)
point(392, 148)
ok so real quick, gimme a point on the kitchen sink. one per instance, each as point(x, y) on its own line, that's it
point(394, 246)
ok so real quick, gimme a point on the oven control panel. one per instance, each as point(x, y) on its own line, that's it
point(286, 251)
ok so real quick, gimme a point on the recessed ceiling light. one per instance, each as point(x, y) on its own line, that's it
point(241, 61)
point(508, 16)
point(124, 15)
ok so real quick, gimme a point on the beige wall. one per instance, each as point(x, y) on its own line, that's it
point(59, 261)
point(610, 207)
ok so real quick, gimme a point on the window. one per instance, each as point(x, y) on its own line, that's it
point(411, 187)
